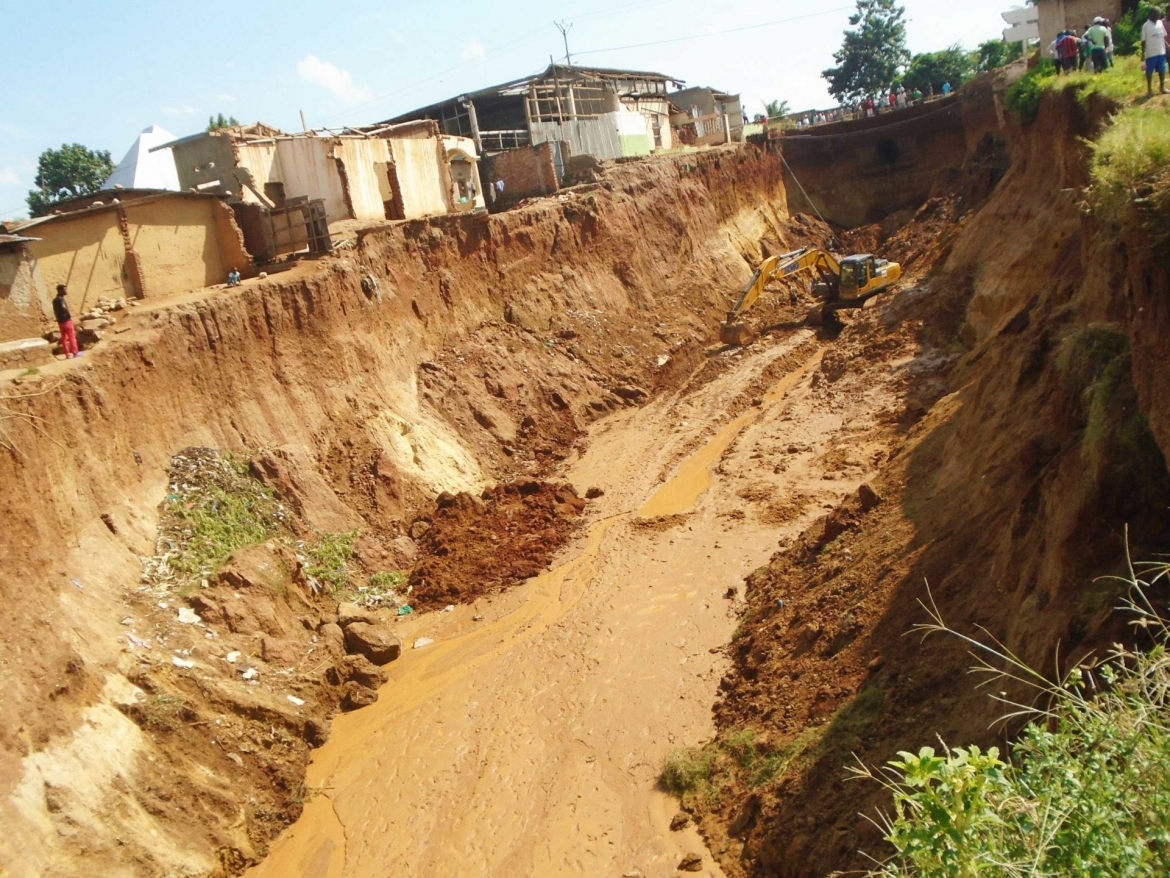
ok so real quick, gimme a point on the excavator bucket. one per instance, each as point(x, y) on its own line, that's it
point(737, 334)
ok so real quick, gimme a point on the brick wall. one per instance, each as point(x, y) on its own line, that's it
point(528, 172)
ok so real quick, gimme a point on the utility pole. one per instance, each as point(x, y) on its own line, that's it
point(564, 29)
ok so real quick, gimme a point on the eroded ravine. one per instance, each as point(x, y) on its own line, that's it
point(529, 742)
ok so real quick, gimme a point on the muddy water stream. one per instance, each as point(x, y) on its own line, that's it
point(529, 742)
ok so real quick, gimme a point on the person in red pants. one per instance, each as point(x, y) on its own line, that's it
point(65, 324)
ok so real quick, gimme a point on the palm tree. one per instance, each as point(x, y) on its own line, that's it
point(776, 109)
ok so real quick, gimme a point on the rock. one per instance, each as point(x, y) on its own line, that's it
point(731, 593)
point(328, 619)
point(375, 642)
point(316, 732)
point(594, 493)
point(361, 670)
point(348, 613)
point(680, 821)
point(207, 608)
point(277, 651)
point(875, 664)
point(630, 392)
point(419, 529)
point(868, 496)
point(333, 637)
point(691, 863)
point(356, 695)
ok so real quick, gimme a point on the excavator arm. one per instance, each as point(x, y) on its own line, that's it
point(782, 265)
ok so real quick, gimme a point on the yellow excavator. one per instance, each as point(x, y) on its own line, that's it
point(844, 283)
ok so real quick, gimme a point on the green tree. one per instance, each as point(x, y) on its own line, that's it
point(872, 54)
point(1127, 33)
point(214, 123)
point(997, 53)
point(776, 109)
point(953, 65)
point(67, 172)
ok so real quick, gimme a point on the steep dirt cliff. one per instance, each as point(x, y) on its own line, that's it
point(1035, 436)
point(425, 357)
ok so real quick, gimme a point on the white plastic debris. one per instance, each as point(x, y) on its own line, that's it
point(182, 662)
point(423, 641)
point(297, 701)
point(450, 608)
point(233, 656)
point(187, 616)
point(162, 605)
point(251, 674)
point(127, 620)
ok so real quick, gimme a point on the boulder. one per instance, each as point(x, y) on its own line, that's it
point(361, 670)
point(375, 642)
point(691, 863)
point(869, 497)
point(348, 613)
point(356, 695)
point(332, 636)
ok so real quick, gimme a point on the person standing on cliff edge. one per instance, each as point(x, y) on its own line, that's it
point(65, 324)
point(1154, 41)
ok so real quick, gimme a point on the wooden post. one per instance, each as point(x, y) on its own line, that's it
point(474, 126)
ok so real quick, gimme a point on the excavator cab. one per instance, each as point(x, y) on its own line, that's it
point(855, 274)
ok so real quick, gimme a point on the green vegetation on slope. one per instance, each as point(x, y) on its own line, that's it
point(1086, 790)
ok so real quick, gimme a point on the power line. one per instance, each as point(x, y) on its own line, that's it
point(730, 30)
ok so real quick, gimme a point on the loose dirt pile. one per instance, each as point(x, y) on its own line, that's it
point(472, 546)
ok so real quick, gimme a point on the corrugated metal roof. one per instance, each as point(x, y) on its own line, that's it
point(519, 86)
point(16, 239)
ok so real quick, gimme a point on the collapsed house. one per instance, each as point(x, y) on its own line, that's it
point(383, 172)
point(133, 244)
point(24, 303)
point(706, 117)
point(606, 113)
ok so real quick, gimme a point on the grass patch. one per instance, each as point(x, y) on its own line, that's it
point(1024, 97)
point(1131, 171)
point(1122, 84)
point(327, 562)
point(214, 507)
point(739, 759)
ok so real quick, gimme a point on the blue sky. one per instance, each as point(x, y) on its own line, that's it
point(98, 73)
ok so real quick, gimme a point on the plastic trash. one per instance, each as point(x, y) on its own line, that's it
point(297, 701)
point(423, 641)
point(450, 608)
point(182, 662)
point(233, 656)
point(405, 610)
point(250, 674)
point(187, 616)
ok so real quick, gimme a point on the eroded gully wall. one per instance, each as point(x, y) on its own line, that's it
point(1011, 496)
point(537, 313)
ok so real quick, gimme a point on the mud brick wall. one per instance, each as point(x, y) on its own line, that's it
point(527, 173)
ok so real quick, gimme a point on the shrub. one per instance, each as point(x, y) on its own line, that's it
point(1085, 792)
point(1023, 98)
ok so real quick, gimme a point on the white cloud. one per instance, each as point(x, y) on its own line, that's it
point(330, 76)
point(182, 110)
point(9, 177)
point(225, 97)
point(12, 130)
point(474, 51)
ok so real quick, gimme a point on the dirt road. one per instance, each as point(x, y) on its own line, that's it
point(527, 739)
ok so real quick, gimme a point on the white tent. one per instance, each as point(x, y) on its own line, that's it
point(143, 169)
